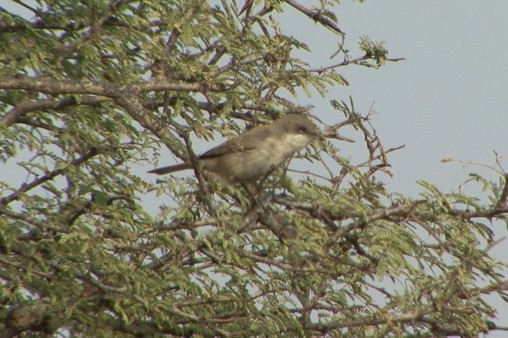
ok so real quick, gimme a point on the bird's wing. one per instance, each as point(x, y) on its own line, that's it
point(241, 143)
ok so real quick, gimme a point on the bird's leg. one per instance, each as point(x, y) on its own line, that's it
point(253, 192)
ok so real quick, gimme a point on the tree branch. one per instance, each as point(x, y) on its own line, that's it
point(316, 16)
point(58, 87)
point(49, 176)
point(28, 106)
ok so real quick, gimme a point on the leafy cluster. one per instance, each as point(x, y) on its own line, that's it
point(93, 93)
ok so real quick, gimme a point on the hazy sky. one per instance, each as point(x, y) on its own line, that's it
point(449, 99)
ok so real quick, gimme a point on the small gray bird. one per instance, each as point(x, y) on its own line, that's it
point(255, 153)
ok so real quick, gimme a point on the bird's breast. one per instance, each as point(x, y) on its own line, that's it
point(257, 160)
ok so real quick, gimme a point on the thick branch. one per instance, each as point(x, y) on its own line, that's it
point(28, 106)
point(58, 87)
point(133, 106)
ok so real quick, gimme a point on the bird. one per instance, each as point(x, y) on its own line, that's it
point(255, 153)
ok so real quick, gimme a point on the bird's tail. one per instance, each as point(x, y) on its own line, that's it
point(171, 169)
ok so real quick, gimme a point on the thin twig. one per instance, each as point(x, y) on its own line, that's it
point(49, 176)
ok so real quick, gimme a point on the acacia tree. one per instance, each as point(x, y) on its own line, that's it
point(91, 245)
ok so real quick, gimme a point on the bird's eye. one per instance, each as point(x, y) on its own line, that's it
point(302, 129)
